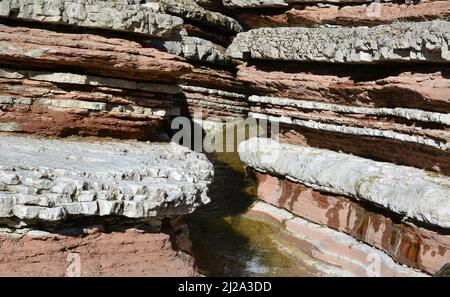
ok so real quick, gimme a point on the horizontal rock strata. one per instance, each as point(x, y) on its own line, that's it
point(90, 53)
point(423, 88)
point(51, 180)
point(63, 104)
point(402, 41)
point(412, 193)
point(192, 11)
point(403, 130)
point(406, 243)
point(125, 90)
point(283, 3)
point(117, 253)
point(128, 15)
point(370, 15)
point(358, 111)
point(216, 92)
point(330, 246)
point(346, 78)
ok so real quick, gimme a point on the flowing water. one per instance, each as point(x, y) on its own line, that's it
point(228, 243)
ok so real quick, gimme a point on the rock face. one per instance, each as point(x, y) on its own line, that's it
point(412, 193)
point(359, 90)
point(406, 243)
point(132, 253)
point(341, 80)
point(403, 41)
point(378, 203)
point(362, 14)
point(86, 84)
point(400, 129)
point(105, 56)
point(330, 246)
point(128, 15)
point(106, 201)
point(50, 180)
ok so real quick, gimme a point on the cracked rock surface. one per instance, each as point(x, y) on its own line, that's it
point(49, 180)
point(410, 192)
point(127, 15)
point(402, 41)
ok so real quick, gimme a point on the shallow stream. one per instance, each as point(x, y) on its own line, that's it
point(226, 242)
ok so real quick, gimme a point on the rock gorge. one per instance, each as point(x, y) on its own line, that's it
point(356, 174)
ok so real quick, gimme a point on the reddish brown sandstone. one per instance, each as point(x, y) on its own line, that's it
point(91, 53)
point(129, 253)
point(406, 243)
point(426, 89)
point(348, 15)
point(378, 148)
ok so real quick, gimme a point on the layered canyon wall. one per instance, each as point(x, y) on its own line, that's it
point(361, 94)
point(360, 91)
point(98, 69)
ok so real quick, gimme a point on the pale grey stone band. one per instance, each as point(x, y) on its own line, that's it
point(411, 192)
point(49, 180)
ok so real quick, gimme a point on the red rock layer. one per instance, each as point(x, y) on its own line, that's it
point(223, 94)
point(208, 34)
point(129, 253)
point(423, 88)
point(321, 244)
point(93, 54)
point(46, 122)
point(404, 242)
point(377, 148)
point(347, 15)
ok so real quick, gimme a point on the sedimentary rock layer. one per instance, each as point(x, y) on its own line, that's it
point(199, 50)
point(406, 243)
point(118, 253)
point(89, 53)
point(330, 246)
point(192, 11)
point(128, 15)
point(218, 93)
point(367, 143)
point(374, 14)
point(161, 18)
point(213, 102)
point(284, 3)
point(402, 41)
point(424, 88)
point(412, 193)
point(404, 130)
point(50, 180)
point(63, 104)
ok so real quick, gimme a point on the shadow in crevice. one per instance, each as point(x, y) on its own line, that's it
point(218, 247)
point(219, 235)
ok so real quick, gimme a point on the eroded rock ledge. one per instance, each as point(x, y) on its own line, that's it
point(353, 14)
point(400, 210)
point(410, 192)
point(402, 41)
point(50, 180)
